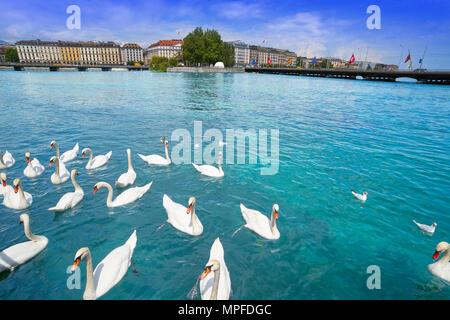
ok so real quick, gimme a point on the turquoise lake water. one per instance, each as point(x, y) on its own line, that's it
point(389, 139)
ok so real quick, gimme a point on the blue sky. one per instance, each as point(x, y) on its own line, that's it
point(311, 28)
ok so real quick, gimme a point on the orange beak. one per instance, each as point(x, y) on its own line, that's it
point(95, 190)
point(276, 214)
point(16, 189)
point(28, 159)
point(75, 264)
point(50, 164)
point(82, 155)
point(189, 209)
point(205, 273)
point(4, 183)
point(436, 255)
point(51, 146)
point(20, 222)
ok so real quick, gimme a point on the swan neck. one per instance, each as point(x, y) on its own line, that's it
point(75, 184)
point(110, 194)
point(130, 165)
point(90, 157)
point(57, 149)
point(1, 159)
point(215, 287)
point(28, 233)
point(167, 152)
point(57, 166)
point(90, 290)
point(446, 258)
point(273, 223)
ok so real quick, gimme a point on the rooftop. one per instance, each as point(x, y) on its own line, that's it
point(161, 43)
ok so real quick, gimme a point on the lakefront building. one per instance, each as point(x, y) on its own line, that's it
point(163, 48)
point(261, 56)
point(69, 52)
point(131, 52)
point(241, 52)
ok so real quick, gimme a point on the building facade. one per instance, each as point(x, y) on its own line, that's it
point(69, 52)
point(163, 48)
point(278, 57)
point(241, 53)
point(131, 52)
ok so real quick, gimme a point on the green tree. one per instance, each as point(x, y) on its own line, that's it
point(206, 47)
point(11, 55)
point(159, 64)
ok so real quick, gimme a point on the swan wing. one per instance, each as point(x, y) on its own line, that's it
point(21, 253)
point(177, 214)
point(114, 266)
point(37, 166)
point(126, 179)
point(154, 159)
point(208, 170)
point(8, 159)
point(130, 195)
point(256, 221)
point(70, 154)
point(100, 160)
point(206, 284)
point(66, 201)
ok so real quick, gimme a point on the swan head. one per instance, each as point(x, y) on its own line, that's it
point(80, 255)
point(441, 247)
point(24, 218)
point(191, 204)
point(275, 210)
point(52, 144)
point(3, 178)
point(128, 151)
point(83, 152)
point(52, 160)
point(74, 172)
point(98, 185)
point(16, 184)
point(27, 157)
point(212, 265)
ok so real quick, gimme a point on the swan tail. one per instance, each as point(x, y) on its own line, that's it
point(238, 230)
point(196, 167)
point(108, 155)
point(142, 157)
point(76, 148)
point(146, 187)
point(53, 209)
point(131, 242)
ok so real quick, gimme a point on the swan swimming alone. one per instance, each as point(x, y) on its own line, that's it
point(441, 268)
point(209, 170)
point(6, 160)
point(61, 173)
point(70, 199)
point(34, 168)
point(260, 224)
point(182, 218)
point(18, 199)
point(126, 197)
point(156, 158)
point(22, 252)
point(128, 177)
point(109, 271)
point(96, 162)
point(67, 156)
point(362, 197)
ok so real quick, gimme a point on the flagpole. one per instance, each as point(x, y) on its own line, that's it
point(423, 56)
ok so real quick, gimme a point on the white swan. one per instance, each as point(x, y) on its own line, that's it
point(61, 173)
point(127, 196)
point(4, 188)
point(362, 197)
point(217, 286)
point(6, 160)
point(22, 252)
point(68, 155)
point(428, 229)
point(157, 159)
point(17, 199)
point(209, 170)
point(441, 268)
point(182, 218)
point(109, 271)
point(34, 168)
point(70, 199)
point(128, 177)
point(260, 224)
point(96, 162)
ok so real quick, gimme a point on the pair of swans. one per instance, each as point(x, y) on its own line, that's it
point(128, 177)
point(34, 168)
point(14, 197)
point(209, 170)
point(157, 159)
point(96, 162)
point(182, 218)
point(109, 271)
point(61, 173)
point(215, 283)
point(126, 197)
point(6, 160)
point(68, 155)
point(22, 252)
point(70, 199)
point(441, 268)
point(260, 224)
